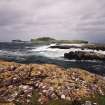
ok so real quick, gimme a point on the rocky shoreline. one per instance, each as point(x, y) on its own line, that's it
point(82, 46)
point(82, 55)
point(50, 82)
point(83, 51)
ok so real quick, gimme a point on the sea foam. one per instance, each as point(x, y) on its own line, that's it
point(57, 53)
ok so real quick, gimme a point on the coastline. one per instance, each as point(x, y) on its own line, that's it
point(50, 82)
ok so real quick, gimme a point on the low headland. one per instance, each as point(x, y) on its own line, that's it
point(47, 84)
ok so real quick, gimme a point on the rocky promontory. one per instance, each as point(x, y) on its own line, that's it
point(34, 84)
point(83, 55)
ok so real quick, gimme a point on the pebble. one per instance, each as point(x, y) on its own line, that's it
point(44, 91)
point(68, 98)
point(94, 103)
point(63, 96)
point(88, 103)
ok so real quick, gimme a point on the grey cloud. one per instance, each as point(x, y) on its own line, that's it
point(62, 19)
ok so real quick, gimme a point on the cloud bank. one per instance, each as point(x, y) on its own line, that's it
point(62, 19)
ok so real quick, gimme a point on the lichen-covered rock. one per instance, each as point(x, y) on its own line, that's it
point(50, 81)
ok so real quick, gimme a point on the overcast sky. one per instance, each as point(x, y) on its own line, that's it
point(61, 19)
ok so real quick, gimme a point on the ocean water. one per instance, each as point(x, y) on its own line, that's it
point(29, 53)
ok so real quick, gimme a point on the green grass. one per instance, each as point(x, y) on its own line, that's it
point(100, 99)
point(35, 96)
point(34, 99)
point(97, 99)
point(63, 102)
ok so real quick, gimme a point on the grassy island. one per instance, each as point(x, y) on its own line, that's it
point(52, 40)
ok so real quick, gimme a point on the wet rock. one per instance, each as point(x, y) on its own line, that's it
point(81, 55)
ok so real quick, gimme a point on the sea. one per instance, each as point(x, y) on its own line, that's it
point(28, 53)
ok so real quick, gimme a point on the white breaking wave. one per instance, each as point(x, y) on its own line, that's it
point(57, 53)
point(77, 45)
point(43, 48)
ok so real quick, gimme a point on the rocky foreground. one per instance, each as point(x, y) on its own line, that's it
point(19, 84)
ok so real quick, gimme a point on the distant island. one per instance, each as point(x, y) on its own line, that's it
point(49, 40)
point(52, 40)
point(19, 41)
point(43, 40)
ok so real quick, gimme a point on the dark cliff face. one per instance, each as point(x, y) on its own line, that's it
point(81, 55)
